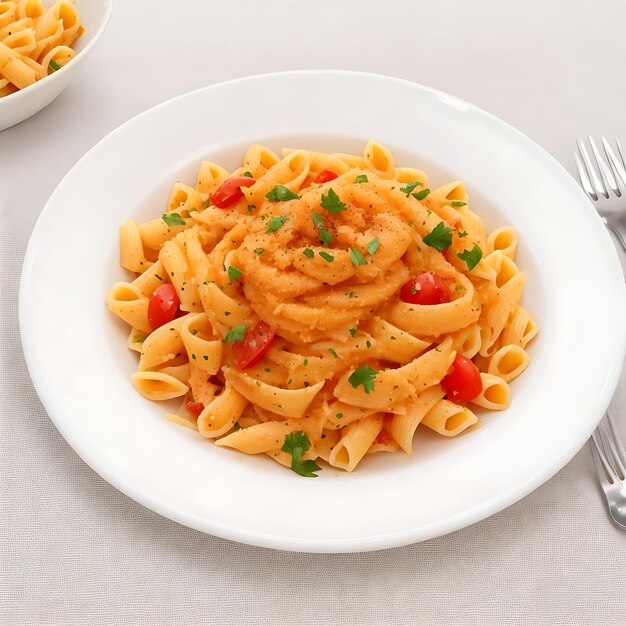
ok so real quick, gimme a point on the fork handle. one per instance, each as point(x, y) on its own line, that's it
point(619, 236)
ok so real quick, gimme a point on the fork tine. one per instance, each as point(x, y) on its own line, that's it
point(605, 171)
point(608, 470)
point(620, 453)
point(584, 178)
point(610, 452)
point(621, 154)
point(618, 167)
point(597, 183)
point(600, 467)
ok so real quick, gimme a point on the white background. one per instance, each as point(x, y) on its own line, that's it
point(73, 550)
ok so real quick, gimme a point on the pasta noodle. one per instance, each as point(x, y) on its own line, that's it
point(320, 306)
point(35, 41)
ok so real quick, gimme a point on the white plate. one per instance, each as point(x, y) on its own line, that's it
point(80, 366)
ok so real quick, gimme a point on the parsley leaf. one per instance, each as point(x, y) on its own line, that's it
point(53, 65)
point(365, 376)
point(173, 219)
point(276, 222)
point(458, 203)
point(295, 444)
point(471, 257)
point(361, 178)
point(192, 209)
point(234, 273)
point(439, 238)
point(420, 195)
point(332, 203)
point(248, 174)
point(308, 253)
point(410, 186)
point(259, 251)
point(329, 258)
point(250, 208)
point(280, 193)
point(139, 339)
point(235, 334)
point(352, 331)
point(318, 220)
point(373, 245)
point(333, 353)
point(356, 257)
point(463, 234)
point(237, 426)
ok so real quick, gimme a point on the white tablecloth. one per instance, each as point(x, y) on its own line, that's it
point(73, 550)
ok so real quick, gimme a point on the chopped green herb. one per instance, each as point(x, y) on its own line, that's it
point(227, 313)
point(463, 234)
point(306, 383)
point(53, 65)
point(410, 187)
point(361, 178)
point(295, 444)
point(352, 331)
point(235, 334)
point(339, 415)
point(248, 174)
point(205, 357)
point(259, 251)
point(308, 253)
point(236, 426)
point(267, 369)
point(356, 257)
point(250, 208)
point(195, 331)
point(368, 343)
point(207, 203)
point(333, 353)
point(192, 209)
point(471, 257)
point(439, 238)
point(157, 276)
point(276, 222)
point(420, 195)
point(173, 219)
point(318, 220)
point(280, 193)
point(305, 362)
point(234, 274)
point(193, 356)
point(373, 245)
point(332, 203)
point(329, 258)
point(139, 339)
point(365, 376)
point(351, 294)
point(458, 203)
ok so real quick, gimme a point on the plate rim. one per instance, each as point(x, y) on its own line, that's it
point(459, 520)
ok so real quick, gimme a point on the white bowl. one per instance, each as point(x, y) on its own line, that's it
point(77, 356)
point(21, 105)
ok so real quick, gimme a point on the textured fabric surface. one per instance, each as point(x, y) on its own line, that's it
point(73, 550)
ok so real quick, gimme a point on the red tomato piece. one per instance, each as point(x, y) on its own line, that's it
point(425, 288)
point(163, 306)
point(230, 191)
point(325, 175)
point(195, 408)
point(251, 349)
point(462, 382)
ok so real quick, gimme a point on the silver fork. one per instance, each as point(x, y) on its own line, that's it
point(604, 181)
point(608, 456)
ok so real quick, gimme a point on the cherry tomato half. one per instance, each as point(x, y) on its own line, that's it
point(195, 408)
point(230, 191)
point(255, 343)
point(462, 382)
point(425, 288)
point(163, 306)
point(325, 175)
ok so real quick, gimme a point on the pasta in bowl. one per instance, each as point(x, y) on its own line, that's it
point(322, 306)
